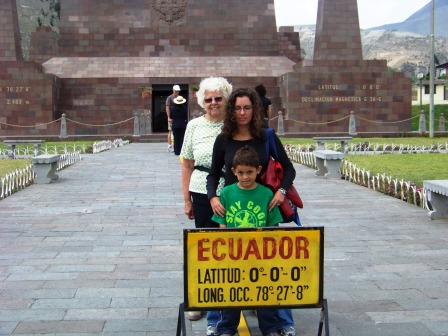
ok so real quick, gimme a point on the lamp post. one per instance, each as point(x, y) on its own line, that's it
point(431, 76)
point(420, 78)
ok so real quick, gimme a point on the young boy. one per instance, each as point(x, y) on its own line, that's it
point(246, 201)
point(246, 204)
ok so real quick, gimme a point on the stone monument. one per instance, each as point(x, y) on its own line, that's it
point(11, 49)
point(27, 94)
point(324, 91)
point(107, 51)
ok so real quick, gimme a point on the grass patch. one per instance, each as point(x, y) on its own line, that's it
point(438, 109)
point(61, 147)
point(8, 166)
point(409, 167)
point(382, 141)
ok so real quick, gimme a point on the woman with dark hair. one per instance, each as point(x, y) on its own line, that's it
point(243, 125)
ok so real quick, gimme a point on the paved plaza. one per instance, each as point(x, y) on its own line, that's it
point(99, 252)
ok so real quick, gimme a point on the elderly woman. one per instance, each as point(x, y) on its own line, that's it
point(196, 157)
point(197, 149)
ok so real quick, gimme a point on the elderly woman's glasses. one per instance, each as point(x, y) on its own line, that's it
point(216, 99)
point(244, 108)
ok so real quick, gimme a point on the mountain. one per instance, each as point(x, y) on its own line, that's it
point(405, 45)
point(419, 22)
point(403, 51)
point(29, 13)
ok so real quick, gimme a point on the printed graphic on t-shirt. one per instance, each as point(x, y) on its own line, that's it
point(245, 214)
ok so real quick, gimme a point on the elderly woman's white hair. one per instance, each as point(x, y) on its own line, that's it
point(213, 84)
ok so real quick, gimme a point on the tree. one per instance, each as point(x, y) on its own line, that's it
point(390, 69)
point(50, 14)
point(408, 67)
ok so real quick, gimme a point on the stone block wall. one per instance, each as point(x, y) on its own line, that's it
point(187, 28)
point(320, 102)
point(289, 44)
point(43, 45)
point(97, 91)
point(108, 49)
point(338, 36)
point(27, 99)
point(10, 48)
point(92, 103)
point(96, 106)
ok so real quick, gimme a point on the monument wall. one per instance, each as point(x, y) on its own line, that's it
point(323, 92)
point(107, 50)
point(10, 48)
point(143, 28)
point(323, 99)
point(88, 97)
point(28, 99)
point(43, 45)
point(27, 94)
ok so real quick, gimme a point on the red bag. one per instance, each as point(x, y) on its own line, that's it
point(272, 177)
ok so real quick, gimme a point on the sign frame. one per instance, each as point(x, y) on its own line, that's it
point(247, 233)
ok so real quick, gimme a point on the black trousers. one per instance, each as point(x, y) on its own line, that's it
point(178, 135)
point(202, 211)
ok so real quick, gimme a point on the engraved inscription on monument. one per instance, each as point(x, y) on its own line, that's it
point(15, 95)
point(334, 98)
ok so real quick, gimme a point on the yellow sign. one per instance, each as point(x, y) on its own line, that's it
point(253, 267)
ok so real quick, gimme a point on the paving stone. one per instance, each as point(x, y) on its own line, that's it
point(104, 252)
point(45, 327)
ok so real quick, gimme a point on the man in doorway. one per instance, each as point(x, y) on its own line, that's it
point(169, 102)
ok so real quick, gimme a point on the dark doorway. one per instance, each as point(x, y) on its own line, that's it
point(159, 95)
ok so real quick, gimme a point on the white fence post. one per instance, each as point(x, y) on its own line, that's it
point(441, 123)
point(422, 122)
point(136, 123)
point(280, 127)
point(63, 126)
point(352, 124)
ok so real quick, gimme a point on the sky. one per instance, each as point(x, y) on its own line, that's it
point(372, 13)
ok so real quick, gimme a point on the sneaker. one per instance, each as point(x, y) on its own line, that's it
point(212, 331)
point(288, 331)
point(170, 148)
point(193, 315)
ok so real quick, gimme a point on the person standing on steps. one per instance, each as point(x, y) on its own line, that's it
point(179, 117)
point(168, 104)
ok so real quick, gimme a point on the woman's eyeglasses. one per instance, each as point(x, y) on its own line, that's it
point(244, 108)
point(216, 99)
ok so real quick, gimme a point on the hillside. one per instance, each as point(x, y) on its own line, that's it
point(403, 50)
point(28, 12)
point(419, 22)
